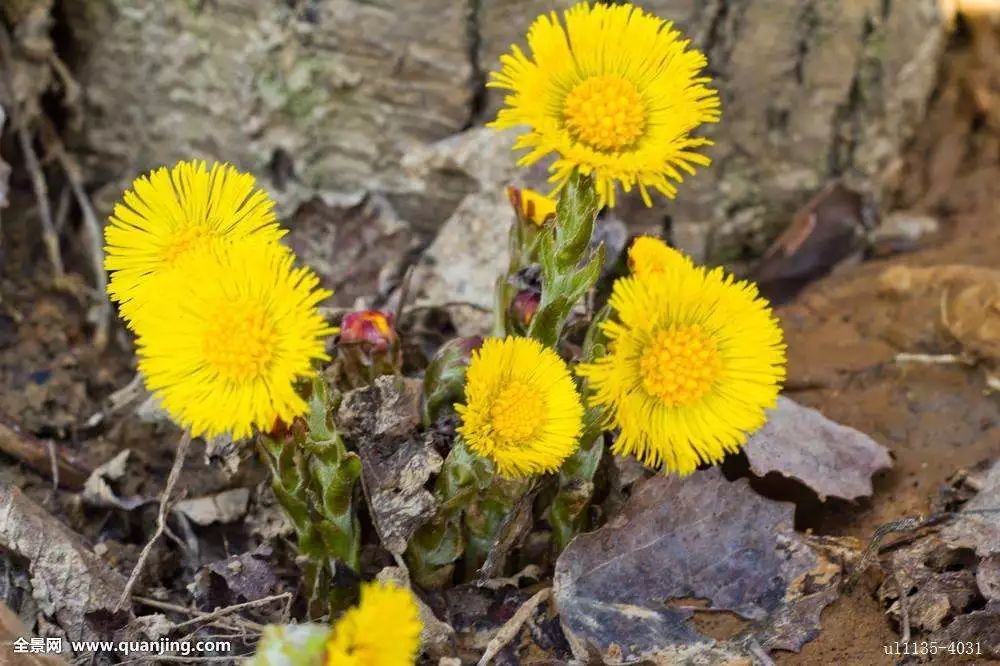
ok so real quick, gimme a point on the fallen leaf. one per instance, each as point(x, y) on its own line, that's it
point(720, 542)
point(988, 577)
point(949, 581)
point(225, 507)
point(12, 629)
point(70, 583)
point(831, 459)
point(935, 585)
point(97, 489)
point(381, 422)
point(978, 524)
point(980, 630)
point(245, 577)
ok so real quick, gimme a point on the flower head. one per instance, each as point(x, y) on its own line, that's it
point(615, 92)
point(383, 630)
point(532, 206)
point(172, 212)
point(648, 256)
point(522, 410)
point(227, 333)
point(694, 360)
point(373, 327)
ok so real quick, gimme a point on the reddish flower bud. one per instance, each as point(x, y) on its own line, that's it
point(524, 306)
point(371, 326)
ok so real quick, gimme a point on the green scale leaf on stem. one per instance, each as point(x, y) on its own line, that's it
point(314, 476)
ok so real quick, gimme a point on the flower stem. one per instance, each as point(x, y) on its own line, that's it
point(313, 476)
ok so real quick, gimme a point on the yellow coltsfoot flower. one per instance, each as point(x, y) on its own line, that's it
point(383, 630)
point(648, 256)
point(695, 358)
point(522, 410)
point(172, 212)
point(223, 336)
point(615, 92)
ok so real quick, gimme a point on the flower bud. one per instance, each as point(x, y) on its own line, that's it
point(369, 326)
point(531, 206)
point(523, 308)
point(368, 347)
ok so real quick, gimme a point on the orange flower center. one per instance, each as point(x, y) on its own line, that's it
point(606, 113)
point(680, 365)
point(240, 342)
point(517, 413)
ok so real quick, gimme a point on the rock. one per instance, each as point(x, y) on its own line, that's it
point(357, 250)
point(461, 265)
point(831, 459)
point(315, 98)
point(902, 230)
point(324, 99)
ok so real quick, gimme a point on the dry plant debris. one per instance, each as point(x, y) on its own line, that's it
point(624, 591)
point(945, 584)
point(831, 459)
point(69, 581)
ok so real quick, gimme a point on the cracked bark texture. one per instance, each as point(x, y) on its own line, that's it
point(327, 98)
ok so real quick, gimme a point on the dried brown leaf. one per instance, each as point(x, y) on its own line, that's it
point(225, 507)
point(381, 422)
point(70, 582)
point(700, 537)
point(831, 459)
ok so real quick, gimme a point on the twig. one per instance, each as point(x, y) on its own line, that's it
point(881, 532)
point(904, 525)
point(32, 164)
point(92, 234)
point(41, 457)
point(934, 359)
point(904, 611)
point(232, 624)
point(512, 627)
point(161, 518)
point(221, 612)
point(54, 462)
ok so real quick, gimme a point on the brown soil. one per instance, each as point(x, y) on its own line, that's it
point(843, 336)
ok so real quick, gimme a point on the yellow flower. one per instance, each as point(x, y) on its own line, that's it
point(172, 212)
point(226, 334)
point(648, 256)
point(694, 359)
point(383, 630)
point(522, 410)
point(615, 93)
point(531, 205)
